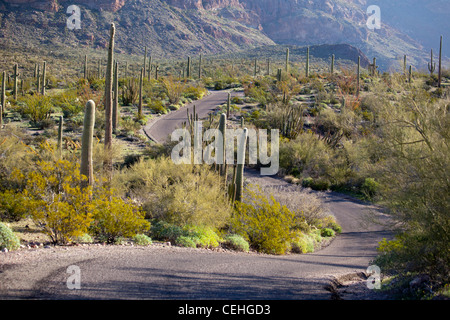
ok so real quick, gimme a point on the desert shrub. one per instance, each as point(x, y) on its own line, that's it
point(55, 201)
point(194, 93)
point(142, 240)
point(130, 92)
point(114, 217)
point(370, 187)
point(327, 232)
point(307, 154)
point(85, 238)
point(36, 107)
point(413, 185)
point(156, 106)
point(8, 240)
point(173, 89)
point(164, 231)
point(264, 222)
point(302, 243)
point(186, 241)
point(236, 242)
point(178, 194)
point(308, 207)
point(203, 236)
point(11, 208)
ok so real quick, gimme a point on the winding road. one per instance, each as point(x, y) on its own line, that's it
point(167, 272)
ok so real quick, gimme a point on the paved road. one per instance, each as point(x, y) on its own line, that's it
point(161, 128)
point(157, 272)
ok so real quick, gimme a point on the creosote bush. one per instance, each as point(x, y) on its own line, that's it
point(8, 240)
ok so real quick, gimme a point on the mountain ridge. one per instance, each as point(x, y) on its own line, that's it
point(180, 27)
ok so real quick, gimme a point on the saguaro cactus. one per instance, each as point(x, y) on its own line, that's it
point(115, 108)
point(85, 66)
point(440, 64)
point(3, 99)
point(222, 129)
point(404, 64)
point(188, 70)
point(44, 68)
point(16, 80)
point(86, 167)
point(141, 78)
point(228, 105)
point(307, 62)
point(108, 90)
point(287, 60)
point(410, 74)
point(145, 60)
point(431, 65)
point(150, 68)
point(240, 165)
point(358, 75)
point(332, 64)
point(60, 134)
point(200, 67)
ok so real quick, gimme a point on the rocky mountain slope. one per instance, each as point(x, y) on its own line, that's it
point(171, 28)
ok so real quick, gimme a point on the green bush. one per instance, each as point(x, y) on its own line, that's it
point(157, 106)
point(302, 243)
point(370, 187)
point(165, 231)
point(327, 232)
point(203, 236)
point(142, 240)
point(36, 107)
point(265, 223)
point(8, 240)
point(178, 194)
point(186, 241)
point(236, 242)
point(114, 217)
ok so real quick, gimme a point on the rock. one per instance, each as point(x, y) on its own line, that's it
point(5, 250)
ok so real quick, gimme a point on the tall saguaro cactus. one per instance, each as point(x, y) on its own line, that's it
point(145, 60)
point(60, 134)
point(115, 107)
point(223, 129)
point(43, 78)
point(307, 62)
point(85, 66)
point(358, 75)
point(440, 64)
point(16, 80)
point(332, 64)
point(108, 91)
point(200, 67)
point(3, 99)
point(188, 72)
point(86, 167)
point(240, 165)
point(287, 60)
point(141, 78)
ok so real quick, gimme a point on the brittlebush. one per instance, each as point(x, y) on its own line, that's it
point(264, 222)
